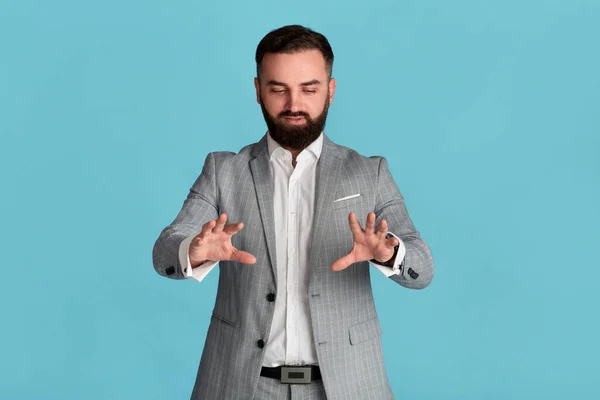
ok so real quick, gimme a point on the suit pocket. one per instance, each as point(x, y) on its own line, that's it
point(222, 320)
point(218, 348)
point(364, 331)
point(348, 203)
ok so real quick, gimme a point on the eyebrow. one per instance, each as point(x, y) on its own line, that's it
point(309, 83)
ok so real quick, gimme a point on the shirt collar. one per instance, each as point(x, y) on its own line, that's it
point(316, 147)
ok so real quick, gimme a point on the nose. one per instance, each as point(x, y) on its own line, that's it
point(293, 101)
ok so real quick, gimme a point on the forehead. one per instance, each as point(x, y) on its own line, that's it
point(293, 68)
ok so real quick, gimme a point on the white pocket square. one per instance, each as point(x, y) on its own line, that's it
point(347, 197)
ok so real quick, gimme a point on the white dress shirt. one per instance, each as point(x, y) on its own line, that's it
point(290, 340)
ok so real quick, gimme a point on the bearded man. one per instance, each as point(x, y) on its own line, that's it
point(294, 315)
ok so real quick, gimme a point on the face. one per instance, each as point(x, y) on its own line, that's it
point(294, 92)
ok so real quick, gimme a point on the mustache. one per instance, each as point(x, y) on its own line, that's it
point(289, 113)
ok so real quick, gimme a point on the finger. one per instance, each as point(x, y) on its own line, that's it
point(243, 257)
point(342, 263)
point(383, 227)
point(220, 223)
point(232, 229)
point(392, 242)
point(370, 225)
point(355, 227)
point(207, 227)
point(196, 242)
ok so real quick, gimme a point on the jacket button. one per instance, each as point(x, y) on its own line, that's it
point(412, 273)
point(271, 297)
point(260, 344)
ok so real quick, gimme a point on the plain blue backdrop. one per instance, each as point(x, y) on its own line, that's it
point(489, 115)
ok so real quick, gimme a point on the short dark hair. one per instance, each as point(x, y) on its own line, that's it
point(293, 39)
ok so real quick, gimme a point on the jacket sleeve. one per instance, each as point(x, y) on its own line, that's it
point(417, 268)
point(199, 207)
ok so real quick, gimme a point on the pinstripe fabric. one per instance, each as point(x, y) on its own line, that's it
point(271, 389)
point(345, 325)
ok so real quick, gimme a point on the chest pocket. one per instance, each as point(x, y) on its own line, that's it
point(348, 203)
point(358, 205)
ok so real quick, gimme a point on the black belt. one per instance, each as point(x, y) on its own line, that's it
point(292, 374)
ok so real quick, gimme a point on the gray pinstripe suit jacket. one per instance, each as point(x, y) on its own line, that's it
point(345, 325)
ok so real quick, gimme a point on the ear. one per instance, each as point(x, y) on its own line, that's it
point(257, 87)
point(332, 84)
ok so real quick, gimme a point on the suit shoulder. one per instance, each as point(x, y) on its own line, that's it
point(222, 158)
point(352, 157)
point(227, 165)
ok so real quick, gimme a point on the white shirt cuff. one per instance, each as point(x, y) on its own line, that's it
point(395, 270)
point(197, 273)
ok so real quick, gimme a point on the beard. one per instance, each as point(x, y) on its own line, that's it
point(295, 137)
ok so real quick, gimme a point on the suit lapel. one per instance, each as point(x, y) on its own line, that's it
point(263, 184)
point(329, 170)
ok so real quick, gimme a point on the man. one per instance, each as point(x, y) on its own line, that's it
point(294, 315)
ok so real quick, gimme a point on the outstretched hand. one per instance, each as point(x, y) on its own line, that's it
point(368, 243)
point(213, 243)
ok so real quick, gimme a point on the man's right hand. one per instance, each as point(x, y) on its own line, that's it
point(213, 243)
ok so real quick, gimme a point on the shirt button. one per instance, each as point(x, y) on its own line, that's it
point(293, 250)
point(271, 297)
point(260, 344)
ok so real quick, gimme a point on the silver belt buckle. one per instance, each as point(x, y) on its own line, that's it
point(295, 374)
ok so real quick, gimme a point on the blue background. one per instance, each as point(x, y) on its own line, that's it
point(489, 115)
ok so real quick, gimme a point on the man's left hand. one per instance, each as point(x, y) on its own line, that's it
point(368, 243)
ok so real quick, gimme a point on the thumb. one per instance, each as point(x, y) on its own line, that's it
point(343, 262)
point(243, 257)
